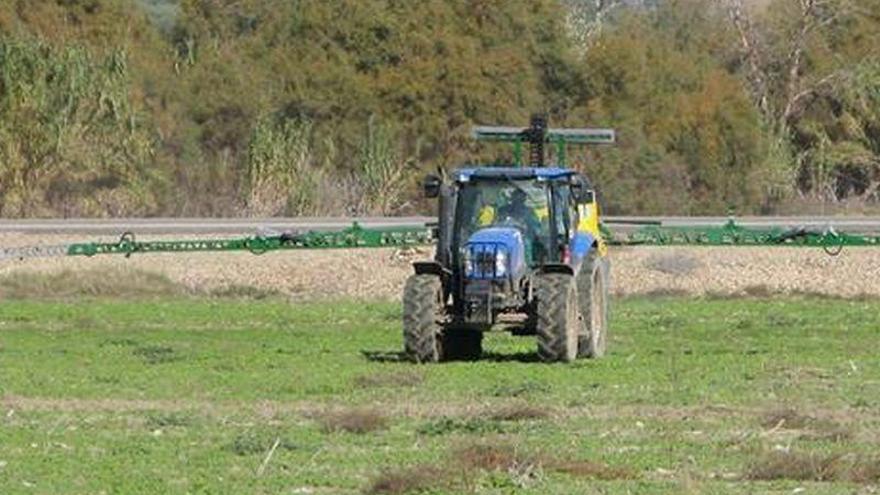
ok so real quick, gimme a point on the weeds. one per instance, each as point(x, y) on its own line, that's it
point(257, 442)
point(354, 421)
point(470, 426)
point(487, 456)
point(520, 412)
point(413, 479)
point(168, 420)
point(521, 389)
point(404, 378)
point(812, 466)
point(593, 470)
point(466, 463)
point(817, 429)
point(245, 292)
point(156, 354)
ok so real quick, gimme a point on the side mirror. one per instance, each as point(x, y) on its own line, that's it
point(431, 186)
point(581, 190)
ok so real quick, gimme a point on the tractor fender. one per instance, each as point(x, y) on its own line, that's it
point(431, 268)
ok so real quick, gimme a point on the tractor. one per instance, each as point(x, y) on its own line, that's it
point(518, 248)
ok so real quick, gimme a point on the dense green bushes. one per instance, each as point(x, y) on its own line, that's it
point(209, 107)
point(69, 140)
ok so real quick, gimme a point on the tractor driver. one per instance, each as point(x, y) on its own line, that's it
point(518, 211)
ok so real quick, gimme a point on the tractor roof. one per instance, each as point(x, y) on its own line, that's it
point(541, 173)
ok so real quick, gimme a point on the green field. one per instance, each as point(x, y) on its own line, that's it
point(207, 395)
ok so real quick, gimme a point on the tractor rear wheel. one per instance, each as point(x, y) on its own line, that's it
point(558, 321)
point(593, 302)
point(423, 312)
point(460, 344)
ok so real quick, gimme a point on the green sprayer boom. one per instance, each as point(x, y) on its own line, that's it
point(730, 234)
point(352, 237)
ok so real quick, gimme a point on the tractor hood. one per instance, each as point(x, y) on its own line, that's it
point(494, 253)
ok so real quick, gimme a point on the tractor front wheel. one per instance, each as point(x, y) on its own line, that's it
point(423, 314)
point(558, 321)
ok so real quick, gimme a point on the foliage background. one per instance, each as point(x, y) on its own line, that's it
point(308, 107)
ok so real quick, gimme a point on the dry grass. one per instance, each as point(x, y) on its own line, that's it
point(592, 470)
point(816, 429)
point(487, 457)
point(237, 291)
point(113, 282)
point(663, 293)
point(354, 421)
point(128, 283)
point(503, 457)
point(407, 378)
point(786, 418)
point(413, 479)
point(519, 412)
point(812, 466)
point(759, 291)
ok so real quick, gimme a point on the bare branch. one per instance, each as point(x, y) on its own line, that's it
point(586, 22)
point(748, 41)
point(807, 21)
point(800, 101)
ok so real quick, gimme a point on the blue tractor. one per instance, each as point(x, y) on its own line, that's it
point(518, 248)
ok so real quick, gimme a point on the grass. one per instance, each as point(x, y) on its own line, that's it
point(209, 395)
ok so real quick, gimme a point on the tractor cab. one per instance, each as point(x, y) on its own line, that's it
point(507, 206)
point(504, 233)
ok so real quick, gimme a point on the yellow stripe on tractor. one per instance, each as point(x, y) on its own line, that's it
point(589, 223)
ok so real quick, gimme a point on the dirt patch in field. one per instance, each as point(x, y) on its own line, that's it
point(380, 273)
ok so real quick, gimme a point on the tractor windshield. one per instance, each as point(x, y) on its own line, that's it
point(521, 204)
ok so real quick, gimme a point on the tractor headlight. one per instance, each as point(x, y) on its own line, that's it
point(500, 263)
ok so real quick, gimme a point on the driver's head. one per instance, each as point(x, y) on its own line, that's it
point(518, 198)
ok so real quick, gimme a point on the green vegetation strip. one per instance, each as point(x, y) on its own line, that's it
point(230, 396)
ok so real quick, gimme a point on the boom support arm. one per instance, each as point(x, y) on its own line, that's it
point(537, 135)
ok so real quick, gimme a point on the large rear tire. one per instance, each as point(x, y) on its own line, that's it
point(558, 321)
point(423, 311)
point(593, 302)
